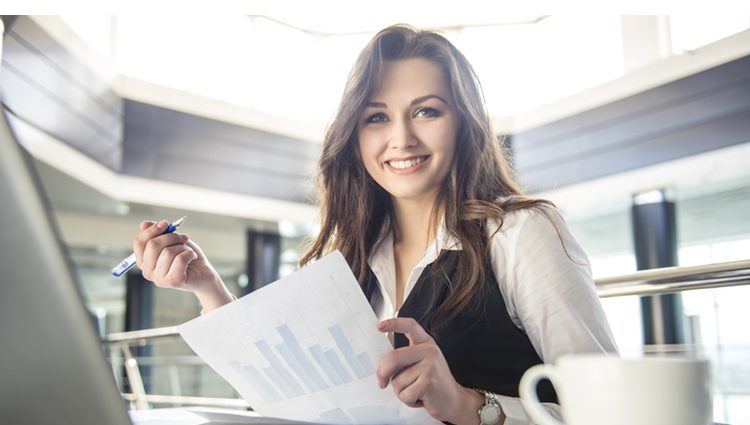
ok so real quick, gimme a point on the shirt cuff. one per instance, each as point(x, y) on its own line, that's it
point(234, 298)
point(515, 414)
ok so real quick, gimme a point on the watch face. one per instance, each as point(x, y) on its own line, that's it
point(490, 414)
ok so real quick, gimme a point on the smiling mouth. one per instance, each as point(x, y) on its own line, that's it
point(409, 163)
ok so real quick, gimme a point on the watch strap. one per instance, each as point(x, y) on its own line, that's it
point(490, 403)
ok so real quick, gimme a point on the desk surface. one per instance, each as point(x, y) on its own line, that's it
point(209, 416)
point(203, 416)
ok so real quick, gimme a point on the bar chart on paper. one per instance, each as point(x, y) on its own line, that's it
point(303, 348)
point(313, 368)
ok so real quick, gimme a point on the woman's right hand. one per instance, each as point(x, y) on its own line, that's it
point(172, 260)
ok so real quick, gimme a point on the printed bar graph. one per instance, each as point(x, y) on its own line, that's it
point(280, 375)
point(355, 360)
point(324, 364)
point(274, 377)
point(296, 367)
point(367, 367)
point(256, 379)
point(334, 360)
point(304, 368)
point(301, 376)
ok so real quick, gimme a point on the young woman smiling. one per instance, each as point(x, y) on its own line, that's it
point(473, 281)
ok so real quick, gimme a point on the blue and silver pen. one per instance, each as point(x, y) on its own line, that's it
point(129, 262)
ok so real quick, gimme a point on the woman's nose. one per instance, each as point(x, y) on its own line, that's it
point(402, 135)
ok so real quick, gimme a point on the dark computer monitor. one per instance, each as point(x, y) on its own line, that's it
point(52, 367)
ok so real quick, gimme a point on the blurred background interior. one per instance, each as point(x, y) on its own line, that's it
point(637, 127)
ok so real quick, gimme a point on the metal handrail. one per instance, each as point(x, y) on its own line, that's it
point(675, 279)
point(646, 282)
point(140, 336)
point(656, 275)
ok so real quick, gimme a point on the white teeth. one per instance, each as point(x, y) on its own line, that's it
point(406, 164)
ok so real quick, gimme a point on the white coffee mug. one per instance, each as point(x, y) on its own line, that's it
point(596, 389)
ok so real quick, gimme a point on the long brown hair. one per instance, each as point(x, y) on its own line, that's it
point(479, 186)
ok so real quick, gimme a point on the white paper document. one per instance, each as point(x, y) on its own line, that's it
point(304, 348)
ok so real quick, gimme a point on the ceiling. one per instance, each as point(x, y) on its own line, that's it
point(292, 62)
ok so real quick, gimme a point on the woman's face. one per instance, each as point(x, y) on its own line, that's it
point(407, 132)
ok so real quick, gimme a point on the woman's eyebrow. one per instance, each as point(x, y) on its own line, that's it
point(413, 102)
point(429, 96)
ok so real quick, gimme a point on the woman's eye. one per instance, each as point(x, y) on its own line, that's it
point(376, 118)
point(426, 113)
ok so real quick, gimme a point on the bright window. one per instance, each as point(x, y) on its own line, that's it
point(690, 32)
point(524, 67)
point(277, 69)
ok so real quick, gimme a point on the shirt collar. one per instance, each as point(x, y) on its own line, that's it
point(382, 261)
point(443, 241)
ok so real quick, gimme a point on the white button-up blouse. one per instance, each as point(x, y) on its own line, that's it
point(545, 280)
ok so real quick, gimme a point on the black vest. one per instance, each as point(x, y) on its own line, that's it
point(482, 346)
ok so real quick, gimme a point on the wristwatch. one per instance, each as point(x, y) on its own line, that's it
point(490, 413)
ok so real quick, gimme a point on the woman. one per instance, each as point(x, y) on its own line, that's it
point(476, 281)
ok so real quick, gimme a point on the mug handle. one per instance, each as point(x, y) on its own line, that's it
point(529, 398)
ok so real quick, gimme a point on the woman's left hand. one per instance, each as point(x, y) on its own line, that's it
point(420, 376)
